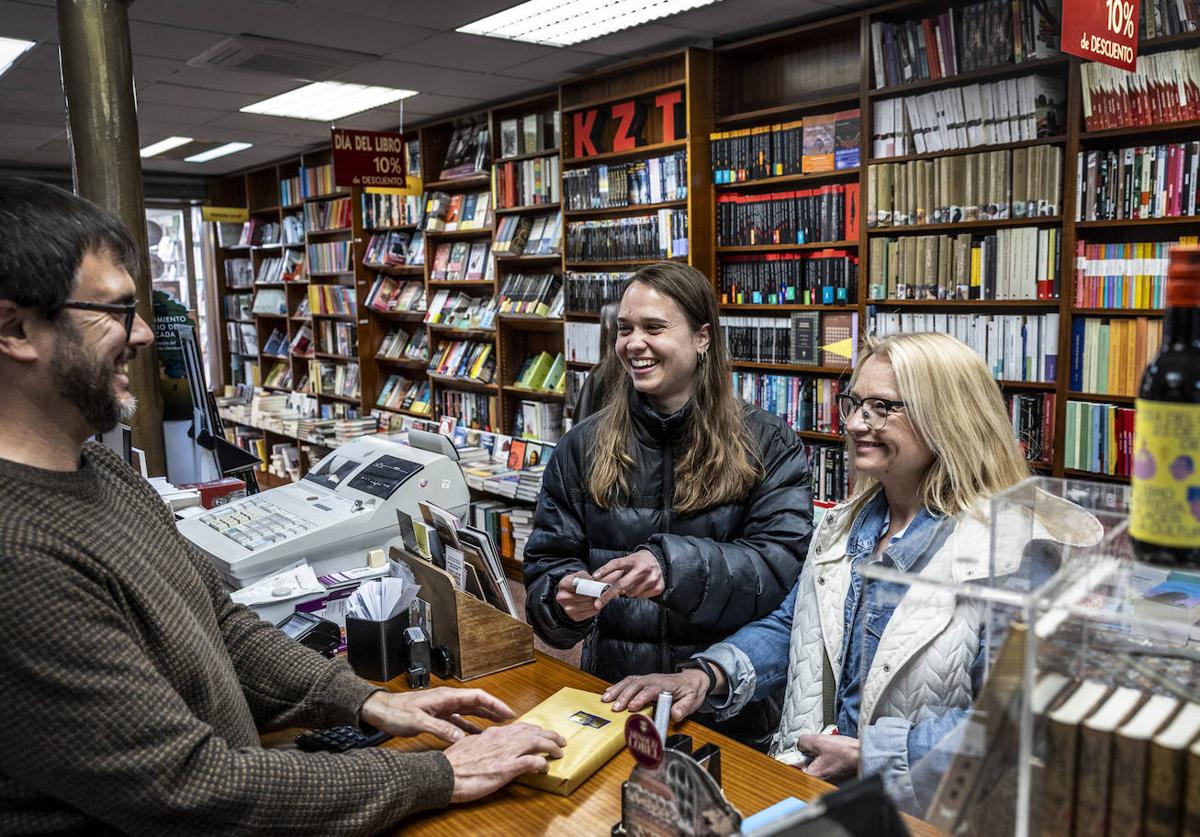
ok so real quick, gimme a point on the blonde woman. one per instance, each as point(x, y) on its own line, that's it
point(694, 507)
point(928, 438)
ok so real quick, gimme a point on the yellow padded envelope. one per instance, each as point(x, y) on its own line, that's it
point(593, 731)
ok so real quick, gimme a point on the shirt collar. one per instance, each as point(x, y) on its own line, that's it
point(907, 551)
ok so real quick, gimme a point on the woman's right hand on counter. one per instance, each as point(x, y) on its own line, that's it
point(581, 608)
point(688, 688)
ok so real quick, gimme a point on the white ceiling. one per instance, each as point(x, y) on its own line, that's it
point(414, 40)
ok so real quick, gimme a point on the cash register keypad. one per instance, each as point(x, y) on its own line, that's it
point(256, 523)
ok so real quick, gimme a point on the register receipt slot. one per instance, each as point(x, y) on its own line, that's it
point(344, 506)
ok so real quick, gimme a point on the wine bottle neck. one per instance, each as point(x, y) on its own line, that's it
point(1181, 326)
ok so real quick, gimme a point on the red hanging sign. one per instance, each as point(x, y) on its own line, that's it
point(368, 159)
point(1102, 30)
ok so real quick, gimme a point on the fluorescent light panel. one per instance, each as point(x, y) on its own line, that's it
point(566, 22)
point(164, 145)
point(219, 151)
point(326, 101)
point(10, 50)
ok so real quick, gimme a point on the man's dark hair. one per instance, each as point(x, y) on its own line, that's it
point(44, 234)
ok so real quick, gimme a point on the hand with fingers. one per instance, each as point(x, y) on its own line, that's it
point(581, 608)
point(688, 688)
point(487, 762)
point(831, 757)
point(638, 574)
point(438, 711)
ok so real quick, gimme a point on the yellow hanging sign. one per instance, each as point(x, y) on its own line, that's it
point(225, 214)
point(842, 348)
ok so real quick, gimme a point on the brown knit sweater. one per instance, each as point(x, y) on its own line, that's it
point(133, 689)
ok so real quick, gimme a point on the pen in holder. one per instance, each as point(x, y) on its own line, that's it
point(376, 650)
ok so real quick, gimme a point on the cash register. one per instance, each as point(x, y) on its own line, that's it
point(341, 508)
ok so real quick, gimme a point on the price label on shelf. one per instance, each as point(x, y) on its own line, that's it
point(368, 158)
point(1102, 30)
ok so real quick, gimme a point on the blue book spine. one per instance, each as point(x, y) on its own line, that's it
point(1077, 326)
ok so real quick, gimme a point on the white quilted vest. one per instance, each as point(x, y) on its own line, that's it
point(923, 663)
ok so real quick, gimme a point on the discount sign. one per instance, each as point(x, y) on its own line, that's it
point(368, 159)
point(1102, 30)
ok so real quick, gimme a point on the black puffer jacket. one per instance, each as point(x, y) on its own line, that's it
point(723, 567)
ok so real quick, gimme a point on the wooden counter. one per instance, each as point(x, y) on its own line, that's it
point(752, 781)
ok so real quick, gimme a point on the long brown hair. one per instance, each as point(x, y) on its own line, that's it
point(720, 462)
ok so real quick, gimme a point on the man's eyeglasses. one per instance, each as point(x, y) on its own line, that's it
point(128, 310)
point(875, 411)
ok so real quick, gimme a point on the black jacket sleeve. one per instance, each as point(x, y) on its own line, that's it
point(556, 547)
point(722, 586)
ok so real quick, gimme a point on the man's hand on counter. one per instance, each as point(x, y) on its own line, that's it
point(486, 762)
point(438, 711)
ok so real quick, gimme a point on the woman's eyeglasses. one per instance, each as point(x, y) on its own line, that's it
point(126, 309)
point(875, 411)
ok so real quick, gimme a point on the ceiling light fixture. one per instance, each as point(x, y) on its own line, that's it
point(10, 50)
point(219, 151)
point(565, 22)
point(326, 101)
point(164, 145)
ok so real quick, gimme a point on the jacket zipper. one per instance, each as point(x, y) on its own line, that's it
point(668, 499)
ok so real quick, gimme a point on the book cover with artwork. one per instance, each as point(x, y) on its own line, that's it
point(819, 143)
point(846, 133)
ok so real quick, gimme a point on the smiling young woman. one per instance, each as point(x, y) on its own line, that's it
point(694, 507)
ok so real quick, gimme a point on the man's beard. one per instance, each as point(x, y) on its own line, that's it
point(86, 381)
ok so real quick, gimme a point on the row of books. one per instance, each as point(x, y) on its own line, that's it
point(465, 261)
point(529, 133)
point(824, 142)
point(293, 228)
point(529, 182)
point(830, 469)
point(820, 277)
point(581, 341)
point(538, 294)
point(990, 186)
point(259, 233)
point(806, 338)
point(321, 216)
point(329, 257)
point(244, 371)
point(1014, 263)
point(574, 386)
point(332, 300)
point(239, 273)
point(330, 378)
point(395, 248)
point(1129, 275)
point(526, 235)
point(236, 306)
point(1108, 357)
point(459, 211)
point(390, 294)
point(467, 360)
point(270, 302)
point(1145, 181)
point(802, 216)
point(1015, 347)
point(279, 376)
point(337, 338)
point(538, 420)
point(1098, 438)
point(468, 153)
point(969, 116)
point(457, 310)
point(498, 520)
point(242, 338)
point(475, 410)
point(289, 191)
point(277, 343)
point(1158, 18)
point(398, 344)
point(604, 186)
point(805, 403)
point(387, 210)
point(543, 372)
point(399, 393)
point(276, 269)
point(1164, 88)
point(963, 39)
point(663, 235)
point(315, 181)
point(302, 342)
point(1032, 416)
point(588, 292)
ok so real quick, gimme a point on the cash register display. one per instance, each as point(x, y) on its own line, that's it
point(383, 476)
point(332, 471)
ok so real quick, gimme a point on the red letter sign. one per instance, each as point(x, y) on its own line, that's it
point(671, 105)
point(630, 118)
point(1102, 30)
point(586, 129)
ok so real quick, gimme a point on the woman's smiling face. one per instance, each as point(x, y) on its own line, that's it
point(658, 348)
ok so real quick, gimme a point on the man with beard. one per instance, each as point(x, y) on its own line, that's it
point(133, 687)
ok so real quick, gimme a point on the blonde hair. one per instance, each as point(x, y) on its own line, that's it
point(957, 410)
point(719, 462)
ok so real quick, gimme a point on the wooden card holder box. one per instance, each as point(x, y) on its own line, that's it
point(483, 639)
